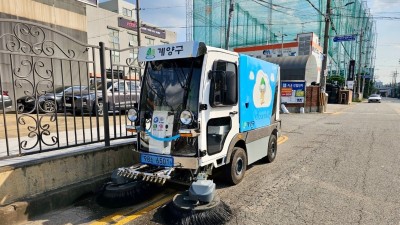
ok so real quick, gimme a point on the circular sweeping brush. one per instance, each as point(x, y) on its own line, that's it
point(182, 211)
point(119, 195)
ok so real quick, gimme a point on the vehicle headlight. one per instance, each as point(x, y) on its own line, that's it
point(186, 117)
point(132, 115)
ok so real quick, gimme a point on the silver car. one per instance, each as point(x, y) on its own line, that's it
point(374, 98)
point(5, 101)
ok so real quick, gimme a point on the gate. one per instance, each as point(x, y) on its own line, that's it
point(57, 92)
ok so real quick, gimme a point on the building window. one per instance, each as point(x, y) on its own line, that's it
point(149, 41)
point(133, 40)
point(126, 12)
point(164, 42)
point(114, 44)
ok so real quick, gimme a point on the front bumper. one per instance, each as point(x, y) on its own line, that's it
point(7, 104)
point(179, 161)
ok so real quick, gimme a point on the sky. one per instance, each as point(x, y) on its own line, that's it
point(172, 15)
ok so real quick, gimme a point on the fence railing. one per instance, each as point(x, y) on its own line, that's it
point(57, 92)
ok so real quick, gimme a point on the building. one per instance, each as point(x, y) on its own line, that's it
point(114, 23)
point(32, 32)
point(292, 57)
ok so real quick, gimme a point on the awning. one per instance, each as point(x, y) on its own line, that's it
point(302, 67)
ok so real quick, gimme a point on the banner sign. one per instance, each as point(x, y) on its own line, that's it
point(344, 38)
point(127, 24)
point(145, 29)
point(169, 51)
point(352, 65)
point(293, 91)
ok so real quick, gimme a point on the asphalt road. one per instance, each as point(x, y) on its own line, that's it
point(339, 167)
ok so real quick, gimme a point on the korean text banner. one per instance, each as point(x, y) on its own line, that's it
point(293, 91)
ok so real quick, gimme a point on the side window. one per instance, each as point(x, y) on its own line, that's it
point(121, 87)
point(223, 91)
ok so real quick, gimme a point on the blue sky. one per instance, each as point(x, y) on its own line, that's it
point(172, 15)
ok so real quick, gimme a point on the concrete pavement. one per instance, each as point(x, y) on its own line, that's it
point(21, 211)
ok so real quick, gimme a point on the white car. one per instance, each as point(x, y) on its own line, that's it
point(374, 98)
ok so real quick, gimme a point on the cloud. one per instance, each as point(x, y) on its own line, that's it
point(251, 77)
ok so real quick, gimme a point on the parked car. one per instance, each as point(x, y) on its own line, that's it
point(121, 96)
point(49, 102)
point(5, 101)
point(374, 98)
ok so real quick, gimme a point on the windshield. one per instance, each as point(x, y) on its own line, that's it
point(172, 85)
point(99, 86)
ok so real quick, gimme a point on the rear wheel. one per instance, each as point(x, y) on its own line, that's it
point(236, 169)
point(98, 108)
point(272, 148)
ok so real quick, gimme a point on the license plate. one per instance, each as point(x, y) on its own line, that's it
point(68, 105)
point(157, 160)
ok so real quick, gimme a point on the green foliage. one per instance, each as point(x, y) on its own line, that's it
point(339, 79)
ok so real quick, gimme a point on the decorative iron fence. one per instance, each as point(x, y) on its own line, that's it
point(57, 92)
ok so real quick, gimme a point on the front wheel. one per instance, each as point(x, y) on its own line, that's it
point(236, 169)
point(272, 148)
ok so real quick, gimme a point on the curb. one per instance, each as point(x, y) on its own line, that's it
point(20, 212)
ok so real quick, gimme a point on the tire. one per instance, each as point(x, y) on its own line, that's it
point(272, 148)
point(49, 106)
point(20, 108)
point(236, 169)
point(98, 108)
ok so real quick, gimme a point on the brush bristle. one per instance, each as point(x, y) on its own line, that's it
point(219, 214)
point(125, 196)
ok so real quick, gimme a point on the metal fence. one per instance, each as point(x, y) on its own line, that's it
point(57, 92)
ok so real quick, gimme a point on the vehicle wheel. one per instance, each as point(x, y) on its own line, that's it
point(272, 148)
point(236, 169)
point(20, 108)
point(49, 106)
point(98, 108)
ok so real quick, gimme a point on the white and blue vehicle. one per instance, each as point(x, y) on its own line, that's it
point(203, 108)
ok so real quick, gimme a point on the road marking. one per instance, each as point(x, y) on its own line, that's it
point(120, 218)
point(149, 208)
point(282, 139)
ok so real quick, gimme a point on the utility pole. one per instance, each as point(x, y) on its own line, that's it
point(359, 67)
point(282, 42)
point(231, 2)
point(138, 22)
point(325, 49)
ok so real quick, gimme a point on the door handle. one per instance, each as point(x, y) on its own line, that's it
point(233, 113)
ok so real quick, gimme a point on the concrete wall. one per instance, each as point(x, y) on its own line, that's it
point(56, 181)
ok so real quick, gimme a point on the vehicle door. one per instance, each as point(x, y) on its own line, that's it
point(119, 91)
point(133, 94)
point(220, 116)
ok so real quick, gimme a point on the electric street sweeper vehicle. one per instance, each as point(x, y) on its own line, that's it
point(200, 108)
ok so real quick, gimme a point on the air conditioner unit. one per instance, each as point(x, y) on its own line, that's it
point(131, 43)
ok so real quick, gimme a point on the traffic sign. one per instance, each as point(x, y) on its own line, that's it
point(344, 38)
